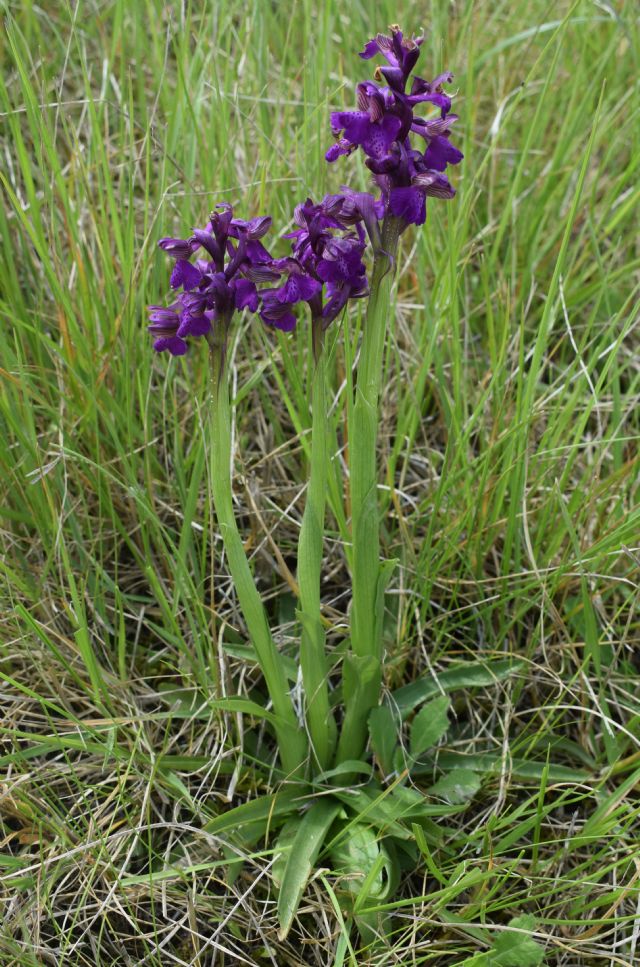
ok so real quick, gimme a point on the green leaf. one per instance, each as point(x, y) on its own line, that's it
point(358, 674)
point(361, 675)
point(287, 731)
point(263, 810)
point(368, 872)
point(312, 652)
point(522, 768)
point(429, 725)
point(245, 705)
point(349, 767)
point(517, 949)
point(283, 846)
point(389, 809)
point(302, 855)
point(457, 786)
point(511, 949)
point(423, 845)
point(384, 577)
point(247, 652)
point(467, 674)
point(371, 804)
point(383, 732)
point(359, 860)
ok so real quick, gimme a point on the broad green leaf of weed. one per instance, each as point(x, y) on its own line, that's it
point(511, 949)
point(429, 725)
point(457, 786)
point(368, 873)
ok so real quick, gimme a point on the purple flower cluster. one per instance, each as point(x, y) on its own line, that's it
point(324, 270)
point(384, 122)
point(215, 286)
point(326, 267)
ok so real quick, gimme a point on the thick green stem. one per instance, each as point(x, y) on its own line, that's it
point(367, 574)
point(290, 737)
point(313, 661)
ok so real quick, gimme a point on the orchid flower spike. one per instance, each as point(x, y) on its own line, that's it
point(385, 122)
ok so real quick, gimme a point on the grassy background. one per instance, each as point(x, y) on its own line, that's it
point(509, 457)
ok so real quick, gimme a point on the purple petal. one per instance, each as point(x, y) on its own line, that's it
point(275, 313)
point(440, 100)
point(193, 325)
point(409, 204)
point(371, 48)
point(286, 323)
point(373, 99)
point(441, 153)
point(173, 344)
point(335, 305)
point(434, 126)
point(164, 315)
point(256, 252)
point(355, 124)
point(260, 273)
point(184, 274)
point(254, 227)
point(178, 248)
point(286, 264)
point(434, 184)
point(209, 243)
point(379, 137)
point(361, 205)
point(332, 271)
point(298, 288)
point(395, 78)
point(441, 79)
point(246, 296)
point(221, 218)
point(384, 164)
point(341, 147)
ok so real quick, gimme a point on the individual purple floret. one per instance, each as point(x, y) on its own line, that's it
point(384, 122)
point(215, 286)
point(326, 268)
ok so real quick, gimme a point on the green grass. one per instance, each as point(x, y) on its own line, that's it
point(509, 458)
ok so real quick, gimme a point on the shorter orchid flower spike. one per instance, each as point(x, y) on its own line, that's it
point(212, 288)
point(326, 267)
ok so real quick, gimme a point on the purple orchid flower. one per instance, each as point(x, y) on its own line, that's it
point(384, 121)
point(214, 287)
point(325, 268)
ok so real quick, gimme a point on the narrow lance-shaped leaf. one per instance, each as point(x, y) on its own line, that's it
point(313, 661)
point(383, 732)
point(303, 854)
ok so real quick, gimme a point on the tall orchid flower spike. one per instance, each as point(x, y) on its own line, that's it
point(386, 120)
point(209, 291)
point(407, 155)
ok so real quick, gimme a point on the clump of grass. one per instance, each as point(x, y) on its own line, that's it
point(509, 455)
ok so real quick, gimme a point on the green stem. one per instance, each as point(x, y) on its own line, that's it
point(367, 575)
point(290, 737)
point(313, 661)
